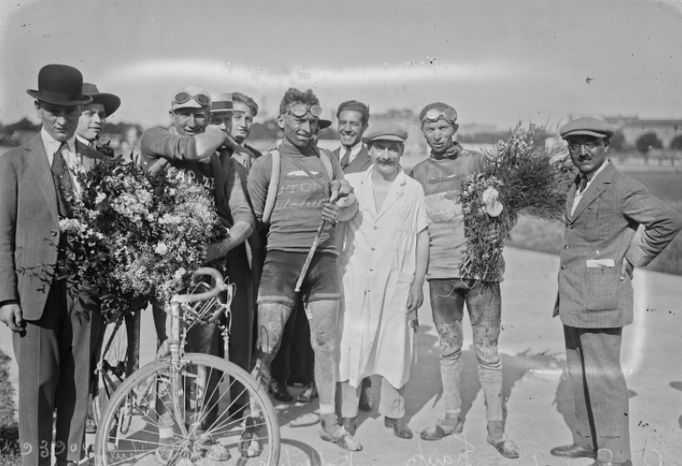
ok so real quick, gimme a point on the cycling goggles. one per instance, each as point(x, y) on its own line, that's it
point(300, 110)
point(183, 97)
point(434, 114)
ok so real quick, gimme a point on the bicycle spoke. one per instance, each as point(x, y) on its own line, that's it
point(203, 406)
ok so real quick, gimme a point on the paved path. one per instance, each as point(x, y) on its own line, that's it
point(538, 399)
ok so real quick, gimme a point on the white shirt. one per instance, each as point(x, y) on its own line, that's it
point(84, 141)
point(579, 194)
point(354, 151)
point(73, 160)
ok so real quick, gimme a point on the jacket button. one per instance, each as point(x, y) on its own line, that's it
point(53, 232)
point(566, 246)
point(563, 267)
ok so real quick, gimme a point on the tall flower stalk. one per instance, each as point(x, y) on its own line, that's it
point(521, 177)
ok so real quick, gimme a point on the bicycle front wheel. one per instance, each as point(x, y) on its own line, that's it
point(205, 410)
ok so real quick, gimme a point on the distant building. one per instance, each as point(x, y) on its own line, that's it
point(633, 128)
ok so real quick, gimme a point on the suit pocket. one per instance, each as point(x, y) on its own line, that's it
point(601, 289)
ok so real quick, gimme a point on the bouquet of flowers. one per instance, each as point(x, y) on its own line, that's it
point(519, 177)
point(135, 238)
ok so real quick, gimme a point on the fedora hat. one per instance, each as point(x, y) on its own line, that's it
point(110, 102)
point(60, 85)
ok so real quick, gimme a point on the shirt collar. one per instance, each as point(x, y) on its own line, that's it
point(290, 149)
point(599, 170)
point(401, 177)
point(52, 145)
point(354, 150)
point(84, 141)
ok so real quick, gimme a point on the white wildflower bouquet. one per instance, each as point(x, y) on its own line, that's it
point(521, 176)
point(135, 238)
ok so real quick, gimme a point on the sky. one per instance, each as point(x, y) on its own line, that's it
point(496, 61)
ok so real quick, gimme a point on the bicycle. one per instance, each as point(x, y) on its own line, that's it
point(190, 408)
point(119, 358)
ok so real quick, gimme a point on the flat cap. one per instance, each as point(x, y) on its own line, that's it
point(587, 126)
point(385, 131)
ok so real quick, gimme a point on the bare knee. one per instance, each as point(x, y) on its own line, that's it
point(450, 334)
point(271, 321)
point(324, 340)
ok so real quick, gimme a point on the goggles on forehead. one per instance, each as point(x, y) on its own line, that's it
point(184, 97)
point(300, 110)
point(435, 114)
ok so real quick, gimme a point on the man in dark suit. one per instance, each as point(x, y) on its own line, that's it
point(50, 321)
point(90, 125)
point(93, 116)
point(353, 117)
point(601, 247)
point(244, 110)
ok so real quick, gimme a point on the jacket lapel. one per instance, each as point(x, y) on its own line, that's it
point(569, 201)
point(366, 192)
point(396, 192)
point(36, 160)
point(598, 186)
point(362, 161)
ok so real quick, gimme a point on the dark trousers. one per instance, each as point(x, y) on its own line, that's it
point(53, 355)
point(599, 390)
point(243, 308)
point(295, 360)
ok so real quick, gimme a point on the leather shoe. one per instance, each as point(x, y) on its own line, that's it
point(443, 428)
point(308, 394)
point(350, 424)
point(399, 429)
point(604, 458)
point(572, 451)
point(333, 432)
point(280, 392)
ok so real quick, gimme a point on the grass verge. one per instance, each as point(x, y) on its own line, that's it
point(9, 432)
point(548, 236)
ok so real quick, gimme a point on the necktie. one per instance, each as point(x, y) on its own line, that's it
point(62, 182)
point(582, 184)
point(345, 160)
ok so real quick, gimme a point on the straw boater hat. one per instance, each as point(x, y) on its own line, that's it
point(60, 85)
point(221, 102)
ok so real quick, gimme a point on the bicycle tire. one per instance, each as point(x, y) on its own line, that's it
point(111, 366)
point(142, 440)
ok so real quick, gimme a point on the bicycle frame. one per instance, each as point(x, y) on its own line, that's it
point(176, 344)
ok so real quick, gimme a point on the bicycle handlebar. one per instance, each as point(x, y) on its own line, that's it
point(205, 296)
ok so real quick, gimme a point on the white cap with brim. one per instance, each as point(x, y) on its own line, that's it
point(191, 97)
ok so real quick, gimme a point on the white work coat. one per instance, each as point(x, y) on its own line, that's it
point(378, 262)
